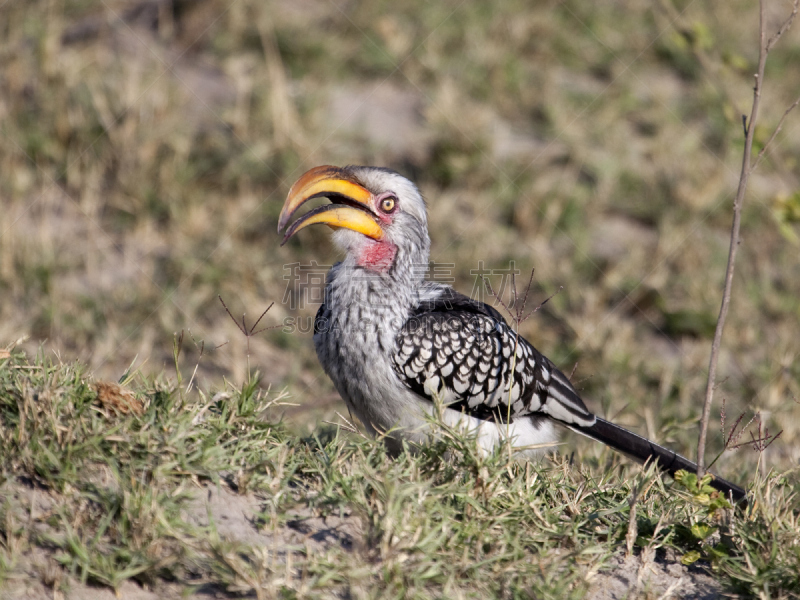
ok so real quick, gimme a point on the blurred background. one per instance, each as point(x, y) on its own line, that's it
point(146, 147)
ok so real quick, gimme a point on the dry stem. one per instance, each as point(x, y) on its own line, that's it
point(764, 48)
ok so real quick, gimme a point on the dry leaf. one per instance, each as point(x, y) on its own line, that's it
point(112, 395)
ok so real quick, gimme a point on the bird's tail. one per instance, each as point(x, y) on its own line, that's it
point(642, 450)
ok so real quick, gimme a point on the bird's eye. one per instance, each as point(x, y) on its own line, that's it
point(388, 204)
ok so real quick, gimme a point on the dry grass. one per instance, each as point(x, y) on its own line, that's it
point(207, 493)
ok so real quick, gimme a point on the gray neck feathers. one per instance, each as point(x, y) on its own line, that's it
point(378, 303)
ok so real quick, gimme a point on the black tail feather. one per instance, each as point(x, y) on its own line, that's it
point(642, 449)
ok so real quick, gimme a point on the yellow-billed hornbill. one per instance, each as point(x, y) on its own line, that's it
point(394, 343)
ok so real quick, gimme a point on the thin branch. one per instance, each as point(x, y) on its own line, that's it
point(776, 132)
point(575, 368)
point(747, 168)
point(494, 295)
point(518, 314)
point(266, 310)
point(785, 27)
point(248, 332)
point(734, 244)
point(241, 327)
point(543, 302)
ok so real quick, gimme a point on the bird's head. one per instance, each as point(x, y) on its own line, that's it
point(378, 216)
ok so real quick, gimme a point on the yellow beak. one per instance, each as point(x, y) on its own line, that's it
point(350, 208)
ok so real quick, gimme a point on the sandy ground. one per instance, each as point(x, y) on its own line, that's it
point(37, 576)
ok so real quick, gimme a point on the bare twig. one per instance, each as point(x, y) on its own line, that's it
point(785, 27)
point(760, 441)
point(518, 313)
point(248, 332)
point(776, 132)
point(747, 168)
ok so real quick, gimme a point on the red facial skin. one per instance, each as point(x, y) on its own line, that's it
point(379, 255)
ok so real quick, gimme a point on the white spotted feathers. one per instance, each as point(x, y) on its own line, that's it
point(463, 352)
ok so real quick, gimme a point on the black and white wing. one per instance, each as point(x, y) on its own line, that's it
point(464, 352)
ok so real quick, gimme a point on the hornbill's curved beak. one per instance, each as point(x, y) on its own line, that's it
point(351, 203)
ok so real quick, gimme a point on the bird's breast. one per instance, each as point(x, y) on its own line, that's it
point(354, 336)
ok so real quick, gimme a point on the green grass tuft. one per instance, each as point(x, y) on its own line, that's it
point(121, 483)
